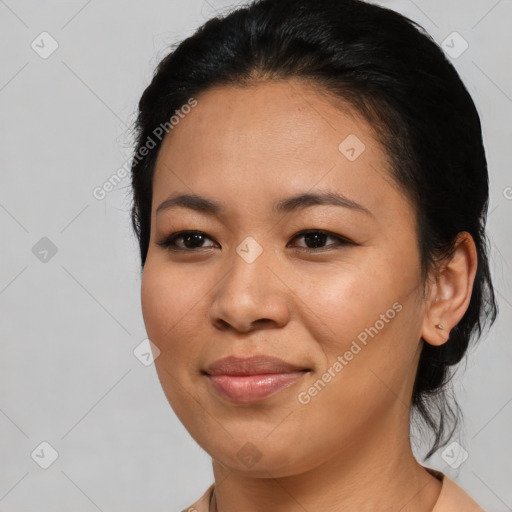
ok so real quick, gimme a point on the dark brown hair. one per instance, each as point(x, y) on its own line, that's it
point(390, 70)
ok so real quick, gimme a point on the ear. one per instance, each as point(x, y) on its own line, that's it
point(449, 296)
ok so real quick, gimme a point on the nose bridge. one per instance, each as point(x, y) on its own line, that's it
point(250, 265)
point(249, 292)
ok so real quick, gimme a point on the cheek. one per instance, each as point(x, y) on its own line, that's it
point(340, 302)
point(157, 303)
point(170, 303)
point(170, 310)
point(170, 290)
point(367, 314)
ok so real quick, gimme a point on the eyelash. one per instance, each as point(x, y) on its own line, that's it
point(169, 242)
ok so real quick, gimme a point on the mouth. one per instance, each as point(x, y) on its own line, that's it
point(247, 380)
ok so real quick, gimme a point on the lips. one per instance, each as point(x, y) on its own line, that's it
point(252, 379)
point(254, 365)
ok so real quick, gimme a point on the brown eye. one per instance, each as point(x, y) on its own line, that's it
point(316, 239)
point(185, 241)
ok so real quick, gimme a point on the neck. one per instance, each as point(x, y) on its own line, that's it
point(376, 470)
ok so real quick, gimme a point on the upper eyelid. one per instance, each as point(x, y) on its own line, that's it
point(317, 230)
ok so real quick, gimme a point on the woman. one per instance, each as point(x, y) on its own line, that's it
point(311, 222)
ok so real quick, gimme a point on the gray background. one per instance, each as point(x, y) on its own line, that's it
point(69, 324)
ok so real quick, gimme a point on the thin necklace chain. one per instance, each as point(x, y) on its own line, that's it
point(212, 498)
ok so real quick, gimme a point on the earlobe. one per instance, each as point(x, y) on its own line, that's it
point(435, 333)
point(450, 295)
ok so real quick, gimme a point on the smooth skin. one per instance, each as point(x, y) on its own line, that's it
point(348, 449)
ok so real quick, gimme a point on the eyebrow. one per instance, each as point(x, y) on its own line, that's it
point(209, 206)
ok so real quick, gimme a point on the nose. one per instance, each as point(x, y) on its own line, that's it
point(250, 296)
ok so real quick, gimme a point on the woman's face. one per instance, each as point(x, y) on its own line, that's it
point(346, 315)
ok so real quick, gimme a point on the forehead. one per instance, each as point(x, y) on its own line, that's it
point(268, 140)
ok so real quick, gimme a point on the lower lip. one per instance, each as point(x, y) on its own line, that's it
point(250, 388)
